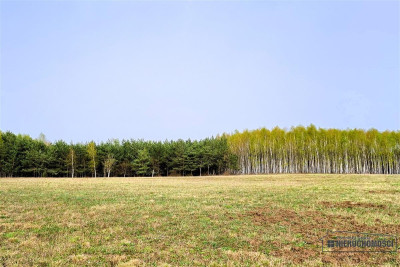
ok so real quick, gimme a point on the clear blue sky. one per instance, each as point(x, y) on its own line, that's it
point(79, 70)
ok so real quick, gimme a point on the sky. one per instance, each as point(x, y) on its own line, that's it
point(153, 70)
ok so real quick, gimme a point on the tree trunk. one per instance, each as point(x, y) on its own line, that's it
point(72, 171)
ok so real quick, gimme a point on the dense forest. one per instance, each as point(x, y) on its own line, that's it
point(312, 150)
point(20, 155)
point(298, 150)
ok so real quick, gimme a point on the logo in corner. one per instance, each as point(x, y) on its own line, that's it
point(342, 241)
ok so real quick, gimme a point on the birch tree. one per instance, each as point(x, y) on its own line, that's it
point(71, 161)
point(108, 164)
point(91, 150)
point(312, 150)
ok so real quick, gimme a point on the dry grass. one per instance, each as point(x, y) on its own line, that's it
point(233, 220)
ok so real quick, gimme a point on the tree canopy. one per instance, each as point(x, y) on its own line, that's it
point(312, 150)
point(20, 155)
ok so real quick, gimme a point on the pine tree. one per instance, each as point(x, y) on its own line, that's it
point(141, 165)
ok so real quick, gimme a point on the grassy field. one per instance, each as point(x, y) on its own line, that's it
point(232, 220)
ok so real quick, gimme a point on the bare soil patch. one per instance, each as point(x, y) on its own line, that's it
point(312, 225)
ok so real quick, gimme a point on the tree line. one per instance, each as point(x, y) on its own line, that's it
point(312, 150)
point(23, 156)
point(297, 150)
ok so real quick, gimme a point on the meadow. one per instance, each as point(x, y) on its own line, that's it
point(265, 220)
